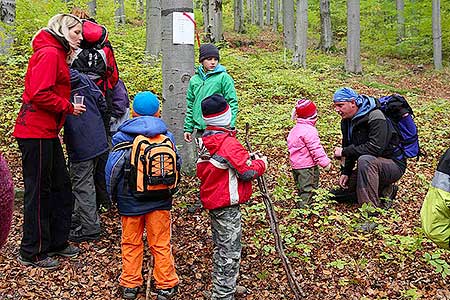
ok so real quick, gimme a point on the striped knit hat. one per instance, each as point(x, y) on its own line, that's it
point(305, 109)
point(216, 111)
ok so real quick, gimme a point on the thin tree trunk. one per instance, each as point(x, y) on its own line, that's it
point(288, 24)
point(260, 13)
point(437, 35)
point(301, 37)
point(153, 28)
point(239, 16)
point(400, 4)
point(215, 20)
point(8, 17)
point(92, 8)
point(326, 34)
point(120, 12)
point(205, 14)
point(276, 15)
point(268, 6)
point(177, 69)
point(140, 8)
point(353, 58)
point(252, 11)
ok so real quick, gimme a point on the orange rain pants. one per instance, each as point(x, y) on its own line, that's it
point(158, 226)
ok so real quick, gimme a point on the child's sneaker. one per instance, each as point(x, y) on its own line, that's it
point(129, 293)
point(167, 293)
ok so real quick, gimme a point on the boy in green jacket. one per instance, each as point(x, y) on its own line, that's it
point(210, 78)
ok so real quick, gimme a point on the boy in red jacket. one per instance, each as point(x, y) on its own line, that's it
point(225, 171)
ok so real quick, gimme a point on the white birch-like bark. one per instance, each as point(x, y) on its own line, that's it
point(288, 24)
point(120, 12)
point(437, 34)
point(353, 57)
point(92, 8)
point(326, 34)
point(301, 37)
point(8, 17)
point(268, 14)
point(177, 69)
point(239, 16)
point(276, 15)
point(153, 28)
point(400, 5)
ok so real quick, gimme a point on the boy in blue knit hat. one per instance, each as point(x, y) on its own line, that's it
point(137, 213)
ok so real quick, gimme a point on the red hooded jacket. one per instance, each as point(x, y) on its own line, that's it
point(225, 169)
point(45, 101)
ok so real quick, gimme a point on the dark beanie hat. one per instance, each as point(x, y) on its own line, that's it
point(216, 111)
point(208, 50)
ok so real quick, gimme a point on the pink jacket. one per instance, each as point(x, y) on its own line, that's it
point(304, 146)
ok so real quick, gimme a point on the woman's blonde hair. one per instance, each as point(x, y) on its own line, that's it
point(60, 24)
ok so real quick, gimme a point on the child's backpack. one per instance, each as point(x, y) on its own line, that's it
point(152, 171)
point(399, 112)
point(90, 58)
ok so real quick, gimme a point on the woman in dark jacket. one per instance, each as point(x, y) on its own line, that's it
point(45, 103)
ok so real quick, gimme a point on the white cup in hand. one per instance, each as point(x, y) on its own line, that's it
point(78, 99)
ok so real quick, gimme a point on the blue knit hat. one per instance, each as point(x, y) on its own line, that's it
point(346, 94)
point(146, 104)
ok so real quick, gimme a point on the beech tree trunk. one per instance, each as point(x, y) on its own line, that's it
point(153, 28)
point(301, 37)
point(268, 6)
point(326, 34)
point(215, 20)
point(260, 9)
point(8, 16)
point(276, 15)
point(239, 16)
point(437, 34)
point(140, 8)
point(177, 69)
point(120, 12)
point(353, 58)
point(252, 11)
point(205, 14)
point(288, 24)
point(400, 4)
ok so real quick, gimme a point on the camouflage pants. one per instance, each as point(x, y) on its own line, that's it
point(226, 234)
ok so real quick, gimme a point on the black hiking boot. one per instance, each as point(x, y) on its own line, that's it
point(343, 196)
point(388, 195)
point(167, 294)
point(129, 293)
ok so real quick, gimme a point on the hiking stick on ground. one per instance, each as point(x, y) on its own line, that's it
point(292, 279)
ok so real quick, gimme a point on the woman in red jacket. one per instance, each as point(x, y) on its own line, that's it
point(45, 103)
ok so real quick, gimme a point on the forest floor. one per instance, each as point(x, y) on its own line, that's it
point(332, 258)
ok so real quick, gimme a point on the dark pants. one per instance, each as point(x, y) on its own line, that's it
point(102, 197)
point(372, 175)
point(48, 198)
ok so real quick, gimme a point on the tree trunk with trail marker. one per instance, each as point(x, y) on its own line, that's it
point(177, 69)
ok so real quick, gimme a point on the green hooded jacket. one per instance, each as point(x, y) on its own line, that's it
point(435, 212)
point(204, 85)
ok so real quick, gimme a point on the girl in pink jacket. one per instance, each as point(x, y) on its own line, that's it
point(306, 152)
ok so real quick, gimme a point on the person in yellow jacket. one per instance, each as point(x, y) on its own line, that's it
point(435, 212)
